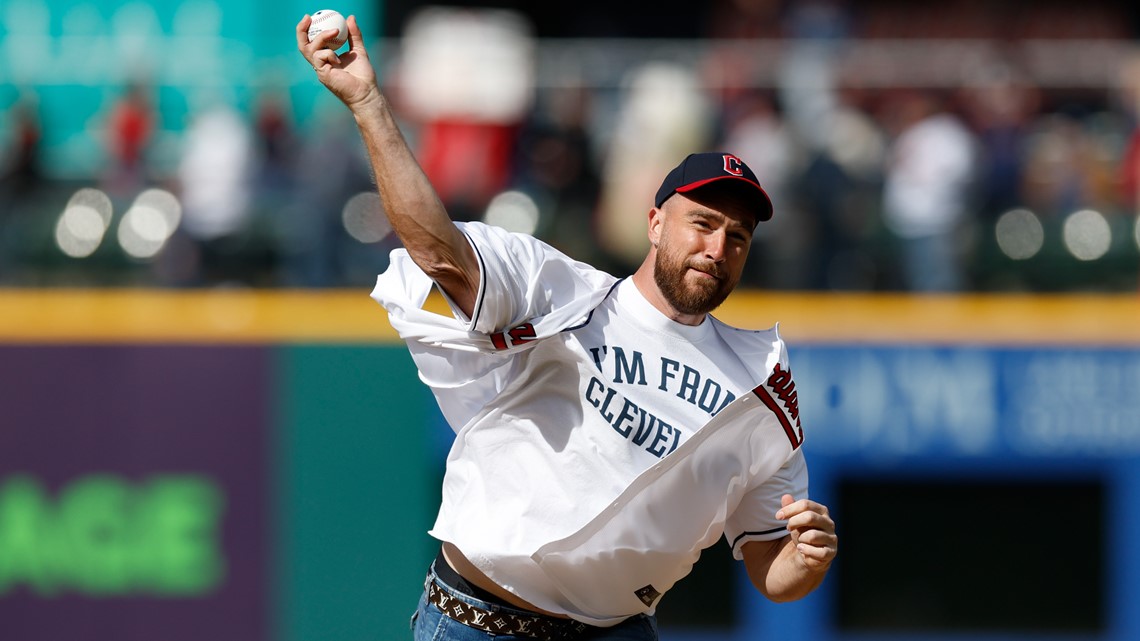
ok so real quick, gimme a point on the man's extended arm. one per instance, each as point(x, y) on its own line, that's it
point(790, 568)
point(413, 208)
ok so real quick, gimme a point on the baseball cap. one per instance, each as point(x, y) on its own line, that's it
point(699, 170)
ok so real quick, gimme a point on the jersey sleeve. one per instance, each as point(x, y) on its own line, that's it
point(528, 291)
point(755, 517)
point(522, 279)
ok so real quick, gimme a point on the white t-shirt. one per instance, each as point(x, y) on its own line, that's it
point(576, 463)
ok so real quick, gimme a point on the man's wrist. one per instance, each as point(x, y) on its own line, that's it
point(368, 108)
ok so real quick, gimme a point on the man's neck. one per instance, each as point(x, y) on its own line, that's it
point(647, 285)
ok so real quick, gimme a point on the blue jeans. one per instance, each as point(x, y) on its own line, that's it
point(429, 624)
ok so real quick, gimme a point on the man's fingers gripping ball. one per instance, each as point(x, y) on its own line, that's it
point(323, 58)
point(326, 20)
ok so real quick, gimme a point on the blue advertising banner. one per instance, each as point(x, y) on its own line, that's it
point(979, 491)
point(947, 402)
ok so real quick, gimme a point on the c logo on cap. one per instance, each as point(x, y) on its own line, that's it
point(733, 165)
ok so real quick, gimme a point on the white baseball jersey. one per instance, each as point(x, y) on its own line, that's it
point(599, 445)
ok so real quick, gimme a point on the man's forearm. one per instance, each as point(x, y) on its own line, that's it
point(789, 579)
point(412, 206)
point(783, 576)
point(414, 210)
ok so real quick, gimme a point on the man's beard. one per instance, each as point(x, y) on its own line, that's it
point(701, 298)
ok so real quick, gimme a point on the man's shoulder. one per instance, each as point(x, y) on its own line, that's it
point(769, 336)
point(752, 345)
point(525, 249)
point(480, 232)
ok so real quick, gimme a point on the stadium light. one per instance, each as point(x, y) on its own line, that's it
point(151, 220)
point(1087, 235)
point(1019, 234)
point(513, 211)
point(83, 222)
point(363, 218)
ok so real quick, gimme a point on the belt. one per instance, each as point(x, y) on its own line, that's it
point(521, 624)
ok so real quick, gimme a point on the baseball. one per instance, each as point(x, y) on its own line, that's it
point(327, 19)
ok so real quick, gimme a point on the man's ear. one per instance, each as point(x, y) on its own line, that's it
point(656, 220)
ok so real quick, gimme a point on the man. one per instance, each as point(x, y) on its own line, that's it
point(607, 430)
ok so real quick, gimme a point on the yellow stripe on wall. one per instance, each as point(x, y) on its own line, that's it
point(965, 319)
point(191, 316)
point(211, 316)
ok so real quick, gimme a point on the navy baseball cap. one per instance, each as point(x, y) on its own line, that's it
point(699, 170)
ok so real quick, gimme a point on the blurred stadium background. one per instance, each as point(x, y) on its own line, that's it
point(207, 430)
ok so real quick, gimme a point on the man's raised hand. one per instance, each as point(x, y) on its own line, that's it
point(349, 75)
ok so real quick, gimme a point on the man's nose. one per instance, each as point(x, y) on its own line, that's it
point(715, 244)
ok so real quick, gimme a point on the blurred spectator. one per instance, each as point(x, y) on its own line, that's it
point(663, 117)
point(20, 170)
point(275, 198)
point(809, 90)
point(823, 190)
point(277, 144)
point(557, 168)
point(1129, 95)
point(755, 131)
point(1001, 105)
point(833, 193)
point(130, 129)
point(807, 78)
point(467, 79)
point(927, 192)
point(470, 163)
point(312, 234)
point(766, 85)
point(855, 152)
point(215, 178)
point(1055, 177)
point(21, 177)
point(1105, 136)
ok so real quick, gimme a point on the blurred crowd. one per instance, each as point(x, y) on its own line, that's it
point(1001, 183)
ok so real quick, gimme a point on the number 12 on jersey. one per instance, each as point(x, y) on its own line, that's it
point(513, 337)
